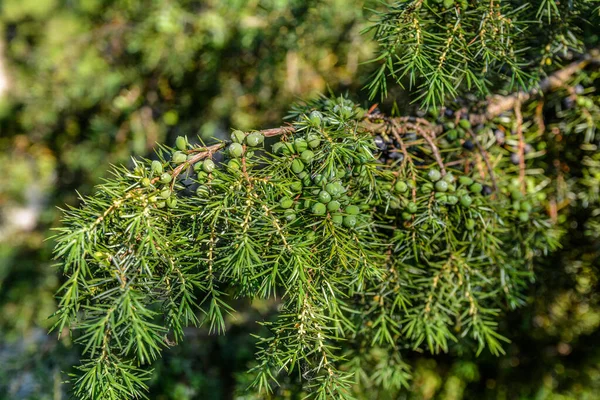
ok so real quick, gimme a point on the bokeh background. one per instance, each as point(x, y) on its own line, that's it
point(89, 83)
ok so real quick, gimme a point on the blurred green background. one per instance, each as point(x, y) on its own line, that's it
point(87, 83)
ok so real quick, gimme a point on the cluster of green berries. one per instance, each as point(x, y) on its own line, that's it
point(457, 131)
point(520, 205)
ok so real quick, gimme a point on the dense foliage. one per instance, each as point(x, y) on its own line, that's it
point(449, 251)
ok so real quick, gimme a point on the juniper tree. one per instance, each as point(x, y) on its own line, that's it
point(375, 234)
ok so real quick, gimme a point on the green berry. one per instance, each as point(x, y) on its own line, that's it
point(465, 180)
point(452, 200)
point(333, 189)
point(165, 193)
point(286, 202)
point(318, 179)
point(441, 186)
point(146, 182)
point(466, 200)
point(411, 207)
point(324, 196)
point(161, 204)
point(290, 215)
point(314, 140)
point(165, 178)
point(172, 202)
point(297, 166)
point(448, 178)
point(337, 219)
point(181, 143)
point(202, 191)
point(234, 165)
point(451, 135)
point(300, 145)
point(157, 167)
point(434, 175)
point(470, 224)
point(516, 205)
point(296, 186)
point(401, 187)
point(307, 156)
point(524, 216)
point(302, 175)
point(333, 205)
point(464, 123)
point(306, 180)
point(202, 176)
point(236, 150)
point(315, 118)
point(278, 148)
point(319, 209)
point(448, 3)
point(427, 188)
point(179, 157)
point(288, 149)
point(254, 139)
point(208, 165)
point(349, 221)
point(352, 210)
point(526, 206)
point(238, 136)
point(476, 188)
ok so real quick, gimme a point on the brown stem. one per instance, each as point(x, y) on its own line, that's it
point(519, 121)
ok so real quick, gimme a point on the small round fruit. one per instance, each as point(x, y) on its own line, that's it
point(401, 187)
point(451, 135)
point(254, 139)
point(234, 165)
point(524, 216)
point(202, 191)
point(237, 136)
point(157, 167)
point(172, 202)
point(465, 180)
point(352, 210)
point(448, 178)
point(236, 150)
point(161, 204)
point(300, 145)
point(333, 189)
point(337, 219)
point(290, 215)
point(526, 206)
point(315, 118)
point(441, 186)
point(411, 207)
point(146, 182)
point(278, 147)
point(165, 193)
point(452, 200)
point(476, 188)
point(427, 188)
point(318, 179)
point(434, 175)
point(313, 140)
point(464, 123)
point(466, 200)
point(165, 178)
point(470, 224)
point(324, 196)
point(333, 205)
point(181, 143)
point(286, 202)
point(179, 157)
point(208, 165)
point(296, 186)
point(307, 156)
point(319, 209)
point(297, 166)
point(349, 221)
